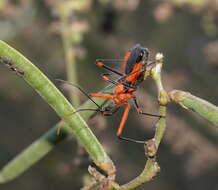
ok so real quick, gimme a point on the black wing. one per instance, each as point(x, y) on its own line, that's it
point(138, 53)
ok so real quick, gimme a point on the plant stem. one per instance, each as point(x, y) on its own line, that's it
point(42, 146)
point(150, 170)
point(200, 106)
point(31, 155)
point(160, 127)
point(70, 57)
point(46, 89)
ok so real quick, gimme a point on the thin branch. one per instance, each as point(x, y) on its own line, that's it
point(46, 89)
point(42, 146)
point(151, 169)
point(33, 153)
point(200, 106)
point(70, 56)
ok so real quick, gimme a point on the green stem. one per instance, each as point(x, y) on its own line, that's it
point(161, 127)
point(200, 106)
point(150, 170)
point(46, 89)
point(42, 146)
point(31, 155)
point(70, 57)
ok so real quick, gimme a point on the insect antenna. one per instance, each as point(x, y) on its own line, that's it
point(79, 110)
point(81, 90)
point(65, 117)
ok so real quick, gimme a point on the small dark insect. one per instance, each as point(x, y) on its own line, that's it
point(135, 63)
point(8, 63)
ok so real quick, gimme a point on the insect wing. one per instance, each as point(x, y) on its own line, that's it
point(131, 58)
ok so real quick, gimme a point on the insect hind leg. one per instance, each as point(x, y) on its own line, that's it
point(121, 126)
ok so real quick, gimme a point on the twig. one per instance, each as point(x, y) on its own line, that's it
point(200, 106)
point(70, 56)
point(59, 103)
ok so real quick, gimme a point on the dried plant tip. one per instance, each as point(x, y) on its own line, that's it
point(99, 181)
point(159, 58)
point(196, 104)
point(150, 148)
point(95, 174)
point(107, 166)
point(156, 75)
point(177, 95)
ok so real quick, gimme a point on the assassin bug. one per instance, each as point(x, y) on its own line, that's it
point(135, 62)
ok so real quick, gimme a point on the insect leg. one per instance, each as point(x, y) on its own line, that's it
point(116, 82)
point(106, 78)
point(121, 126)
point(100, 63)
point(106, 96)
point(123, 120)
point(81, 90)
point(67, 116)
point(138, 109)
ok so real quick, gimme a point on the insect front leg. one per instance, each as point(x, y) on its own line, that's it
point(105, 76)
point(100, 63)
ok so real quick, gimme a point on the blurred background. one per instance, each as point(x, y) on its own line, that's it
point(53, 32)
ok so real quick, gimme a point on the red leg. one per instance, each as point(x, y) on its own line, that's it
point(123, 120)
point(106, 96)
point(121, 126)
point(100, 63)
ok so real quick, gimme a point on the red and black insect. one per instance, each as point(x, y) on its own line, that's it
point(135, 62)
